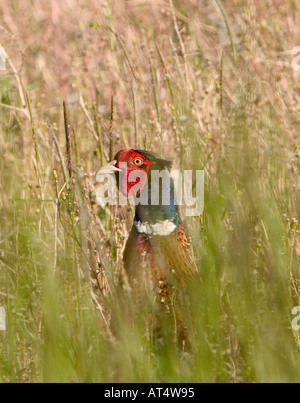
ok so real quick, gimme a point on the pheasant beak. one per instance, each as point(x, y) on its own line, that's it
point(110, 168)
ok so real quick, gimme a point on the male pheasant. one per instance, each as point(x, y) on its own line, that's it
point(157, 254)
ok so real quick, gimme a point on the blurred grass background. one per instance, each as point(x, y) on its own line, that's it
point(208, 84)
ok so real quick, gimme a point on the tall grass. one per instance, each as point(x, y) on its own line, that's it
point(207, 84)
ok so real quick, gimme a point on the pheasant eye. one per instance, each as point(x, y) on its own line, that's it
point(137, 162)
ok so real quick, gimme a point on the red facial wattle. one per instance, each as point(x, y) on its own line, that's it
point(135, 177)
